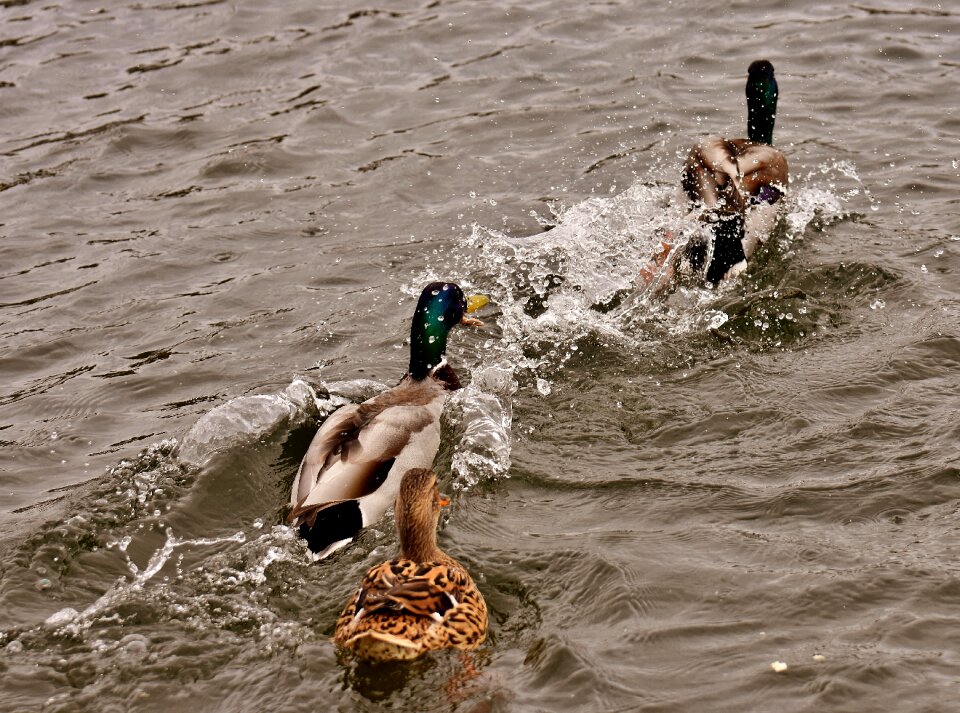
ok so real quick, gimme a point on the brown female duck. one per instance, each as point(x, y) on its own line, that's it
point(421, 601)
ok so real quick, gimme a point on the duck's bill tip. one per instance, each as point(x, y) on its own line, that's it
point(475, 302)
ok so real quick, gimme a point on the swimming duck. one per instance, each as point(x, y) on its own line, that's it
point(421, 601)
point(351, 472)
point(734, 186)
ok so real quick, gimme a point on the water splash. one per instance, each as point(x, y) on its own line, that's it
point(70, 621)
point(825, 195)
point(579, 279)
point(234, 423)
point(486, 412)
point(168, 616)
point(558, 286)
point(576, 283)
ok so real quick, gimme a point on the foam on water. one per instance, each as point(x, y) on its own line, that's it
point(70, 621)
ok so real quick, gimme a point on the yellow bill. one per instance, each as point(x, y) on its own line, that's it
point(474, 302)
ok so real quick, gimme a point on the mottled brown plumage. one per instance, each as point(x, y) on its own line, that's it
point(421, 601)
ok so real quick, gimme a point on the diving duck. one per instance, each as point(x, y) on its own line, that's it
point(351, 472)
point(421, 601)
point(734, 186)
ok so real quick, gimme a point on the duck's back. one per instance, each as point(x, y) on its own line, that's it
point(404, 609)
point(730, 171)
point(357, 457)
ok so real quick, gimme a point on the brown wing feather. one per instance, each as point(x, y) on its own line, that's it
point(359, 443)
point(731, 170)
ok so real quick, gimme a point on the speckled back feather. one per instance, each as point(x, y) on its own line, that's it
point(405, 608)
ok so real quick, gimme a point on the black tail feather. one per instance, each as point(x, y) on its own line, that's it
point(727, 230)
point(340, 521)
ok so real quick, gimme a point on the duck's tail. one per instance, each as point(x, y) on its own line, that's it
point(723, 252)
point(329, 528)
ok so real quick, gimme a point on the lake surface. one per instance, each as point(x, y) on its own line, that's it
point(215, 219)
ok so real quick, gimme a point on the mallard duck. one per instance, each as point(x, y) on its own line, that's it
point(733, 185)
point(421, 601)
point(737, 183)
point(351, 472)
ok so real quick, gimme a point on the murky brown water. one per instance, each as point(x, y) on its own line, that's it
point(205, 201)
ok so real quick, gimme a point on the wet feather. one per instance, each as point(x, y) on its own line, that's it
point(735, 185)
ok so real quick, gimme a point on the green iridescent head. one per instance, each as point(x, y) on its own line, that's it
point(761, 101)
point(442, 306)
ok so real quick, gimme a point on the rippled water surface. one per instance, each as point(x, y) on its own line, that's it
point(215, 218)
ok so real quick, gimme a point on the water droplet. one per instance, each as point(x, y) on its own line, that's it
point(432, 339)
point(717, 319)
point(257, 524)
point(543, 386)
point(440, 318)
point(878, 304)
point(923, 269)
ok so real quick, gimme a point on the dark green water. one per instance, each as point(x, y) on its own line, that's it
point(213, 215)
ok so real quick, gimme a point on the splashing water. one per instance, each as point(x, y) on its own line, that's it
point(235, 422)
point(578, 280)
point(486, 412)
point(556, 287)
point(70, 621)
